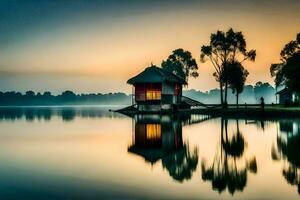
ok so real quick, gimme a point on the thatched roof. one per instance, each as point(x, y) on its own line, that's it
point(155, 74)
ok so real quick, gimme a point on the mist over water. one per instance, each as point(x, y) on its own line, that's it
point(89, 152)
point(250, 95)
point(68, 69)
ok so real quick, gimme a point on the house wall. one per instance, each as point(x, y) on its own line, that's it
point(168, 88)
point(170, 94)
point(141, 89)
point(154, 107)
point(285, 97)
point(295, 97)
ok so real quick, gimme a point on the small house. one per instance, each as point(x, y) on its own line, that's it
point(286, 96)
point(156, 89)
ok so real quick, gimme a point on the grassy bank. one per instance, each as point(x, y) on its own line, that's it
point(241, 112)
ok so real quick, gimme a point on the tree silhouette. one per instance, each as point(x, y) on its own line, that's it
point(68, 97)
point(288, 150)
point(181, 63)
point(287, 71)
point(29, 94)
point(47, 94)
point(224, 172)
point(291, 73)
point(263, 90)
point(181, 163)
point(237, 78)
point(225, 48)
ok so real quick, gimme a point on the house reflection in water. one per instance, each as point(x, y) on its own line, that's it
point(159, 137)
point(288, 150)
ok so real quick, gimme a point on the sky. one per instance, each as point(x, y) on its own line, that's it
point(96, 45)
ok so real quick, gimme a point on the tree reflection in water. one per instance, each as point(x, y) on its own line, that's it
point(288, 150)
point(66, 113)
point(229, 167)
point(159, 137)
point(181, 163)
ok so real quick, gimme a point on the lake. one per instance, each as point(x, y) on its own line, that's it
point(91, 153)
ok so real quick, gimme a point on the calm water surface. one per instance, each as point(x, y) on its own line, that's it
point(90, 153)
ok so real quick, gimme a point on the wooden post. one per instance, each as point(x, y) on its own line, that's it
point(132, 93)
point(276, 96)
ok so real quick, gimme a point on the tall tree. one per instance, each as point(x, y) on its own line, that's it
point(225, 48)
point(237, 78)
point(287, 71)
point(181, 63)
point(291, 72)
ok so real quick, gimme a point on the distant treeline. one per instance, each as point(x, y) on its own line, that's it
point(250, 95)
point(65, 98)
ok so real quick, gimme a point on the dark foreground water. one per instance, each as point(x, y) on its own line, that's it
point(90, 153)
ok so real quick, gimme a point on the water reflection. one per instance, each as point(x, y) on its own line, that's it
point(93, 157)
point(229, 167)
point(260, 124)
point(288, 150)
point(159, 138)
point(46, 113)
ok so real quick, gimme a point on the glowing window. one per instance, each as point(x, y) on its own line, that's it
point(153, 95)
point(153, 131)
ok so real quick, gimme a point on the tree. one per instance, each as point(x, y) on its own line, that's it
point(287, 71)
point(30, 94)
point(264, 90)
point(47, 94)
point(225, 48)
point(291, 73)
point(237, 78)
point(181, 63)
point(68, 96)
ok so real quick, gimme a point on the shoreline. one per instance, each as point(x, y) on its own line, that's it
point(241, 112)
point(268, 112)
point(248, 112)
